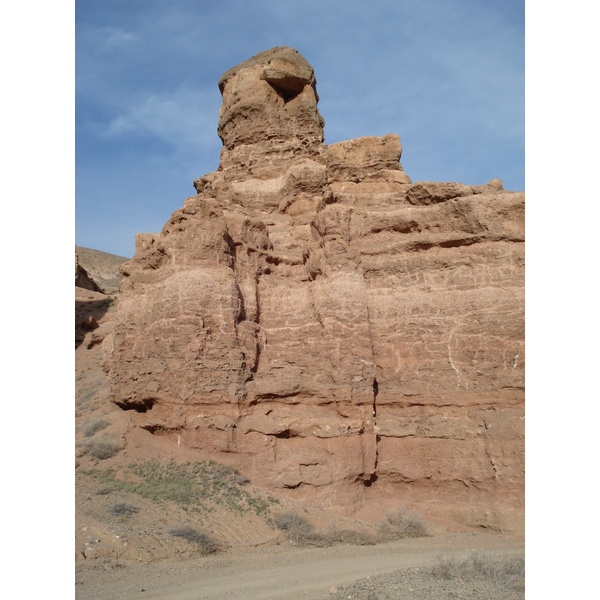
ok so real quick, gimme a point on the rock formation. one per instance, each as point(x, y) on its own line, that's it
point(326, 325)
point(98, 271)
point(82, 277)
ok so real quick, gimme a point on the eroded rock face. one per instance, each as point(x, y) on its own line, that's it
point(326, 325)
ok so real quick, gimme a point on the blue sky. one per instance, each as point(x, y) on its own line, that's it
point(447, 75)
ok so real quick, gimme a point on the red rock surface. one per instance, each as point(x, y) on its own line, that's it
point(326, 325)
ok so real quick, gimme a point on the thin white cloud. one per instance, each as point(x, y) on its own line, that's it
point(102, 40)
point(184, 117)
point(117, 37)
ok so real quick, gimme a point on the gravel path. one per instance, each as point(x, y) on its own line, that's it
point(400, 569)
point(422, 584)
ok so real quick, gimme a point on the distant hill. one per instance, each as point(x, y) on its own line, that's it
point(98, 271)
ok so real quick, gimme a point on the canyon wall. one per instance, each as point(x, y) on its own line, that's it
point(337, 332)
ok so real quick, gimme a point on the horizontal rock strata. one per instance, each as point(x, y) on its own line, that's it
point(326, 325)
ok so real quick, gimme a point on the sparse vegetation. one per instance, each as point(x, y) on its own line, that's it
point(402, 524)
point(101, 449)
point(301, 532)
point(506, 573)
point(86, 391)
point(205, 543)
point(293, 524)
point(348, 536)
point(94, 426)
point(195, 485)
point(123, 509)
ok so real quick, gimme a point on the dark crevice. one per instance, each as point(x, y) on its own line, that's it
point(287, 89)
point(140, 406)
point(257, 335)
point(375, 392)
point(284, 435)
point(159, 428)
point(254, 367)
point(461, 242)
point(291, 486)
point(231, 244)
point(242, 314)
point(371, 480)
point(151, 427)
point(257, 295)
point(273, 260)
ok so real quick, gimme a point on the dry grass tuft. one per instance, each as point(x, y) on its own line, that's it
point(123, 509)
point(101, 449)
point(301, 532)
point(94, 426)
point(205, 543)
point(505, 573)
point(293, 523)
point(402, 524)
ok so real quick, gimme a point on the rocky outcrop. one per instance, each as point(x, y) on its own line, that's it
point(98, 271)
point(326, 325)
point(83, 279)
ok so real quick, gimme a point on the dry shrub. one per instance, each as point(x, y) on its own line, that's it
point(123, 509)
point(506, 573)
point(101, 449)
point(301, 532)
point(296, 528)
point(444, 568)
point(205, 543)
point(402, 524)
point(95, 425)
point(293, 523)
point(349, 537)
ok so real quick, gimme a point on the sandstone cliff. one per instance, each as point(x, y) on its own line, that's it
point(326, 325)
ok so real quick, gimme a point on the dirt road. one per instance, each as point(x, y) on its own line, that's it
point(277, 573)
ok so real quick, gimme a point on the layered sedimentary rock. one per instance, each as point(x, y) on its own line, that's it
point(326, 325)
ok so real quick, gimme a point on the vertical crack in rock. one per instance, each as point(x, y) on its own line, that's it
point(375, 392)
point(260, 335)
point(373, 476)
point(242, 312)
point(247, 270)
